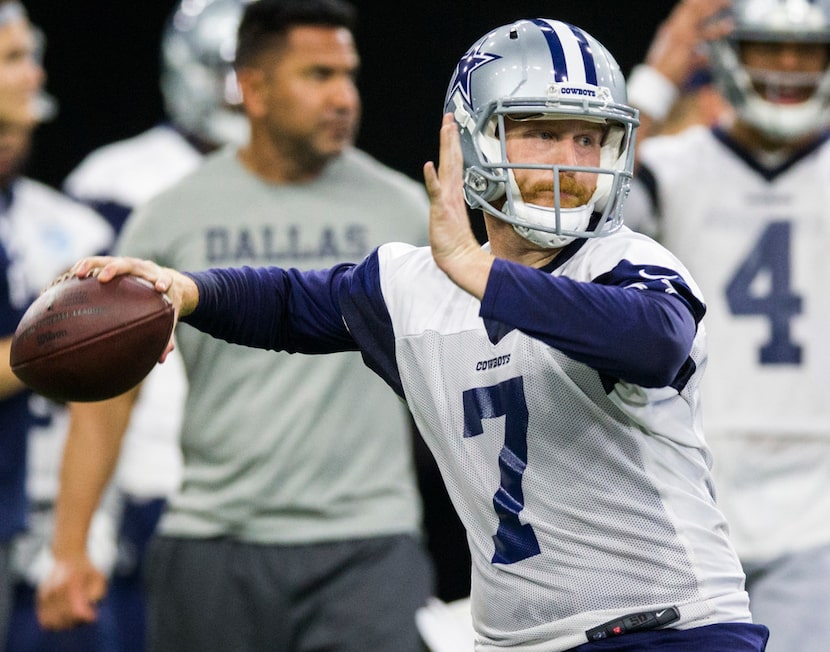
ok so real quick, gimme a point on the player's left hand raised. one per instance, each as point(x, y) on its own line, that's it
point(454, 246)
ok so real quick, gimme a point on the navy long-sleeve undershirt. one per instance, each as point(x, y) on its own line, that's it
point(643, 336)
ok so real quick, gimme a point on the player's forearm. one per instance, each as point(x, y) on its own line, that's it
point(641, 336)
point(90, 456)
point(272, 308)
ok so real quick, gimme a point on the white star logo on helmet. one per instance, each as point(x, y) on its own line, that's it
point(472, 61)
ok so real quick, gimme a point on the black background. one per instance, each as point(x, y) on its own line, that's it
point(102, 62)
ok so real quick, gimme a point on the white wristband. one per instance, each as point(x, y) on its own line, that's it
point(651, 91)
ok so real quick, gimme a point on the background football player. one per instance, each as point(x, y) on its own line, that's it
point(746, 206)
point(41, 231)
point(203, 107)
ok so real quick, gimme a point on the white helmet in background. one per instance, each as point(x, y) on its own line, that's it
point(546, 69)
point(198, 83)
point(771, 21)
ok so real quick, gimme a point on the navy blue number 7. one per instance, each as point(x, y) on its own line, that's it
point(769, 256)
point(513, 540)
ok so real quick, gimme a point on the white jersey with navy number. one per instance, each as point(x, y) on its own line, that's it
point(757, 241)
point(572, 452)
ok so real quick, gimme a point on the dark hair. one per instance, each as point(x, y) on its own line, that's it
point(266, 21)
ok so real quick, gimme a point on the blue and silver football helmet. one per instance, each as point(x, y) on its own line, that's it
point(787, 21)
point(198, 82)
point(542, 69)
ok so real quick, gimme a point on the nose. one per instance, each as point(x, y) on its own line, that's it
point(793, 56)
point(788, 57)
point(30, 72)
point(565, 152)
point(37, 74)
point(344, 93)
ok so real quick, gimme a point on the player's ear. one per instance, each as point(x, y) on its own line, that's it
point(252, 84)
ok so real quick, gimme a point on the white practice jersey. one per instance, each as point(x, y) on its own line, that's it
point(114, 180)
point(585, 497)
point(601, 498)
point(45, 233)
point(756, 240)
point(129, 172)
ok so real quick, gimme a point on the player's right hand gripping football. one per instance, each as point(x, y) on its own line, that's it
point(180, 289)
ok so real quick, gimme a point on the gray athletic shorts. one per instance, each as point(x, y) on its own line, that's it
point(791, 596)
point(221, 595)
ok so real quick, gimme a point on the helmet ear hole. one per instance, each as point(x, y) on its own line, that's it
point(198, 83)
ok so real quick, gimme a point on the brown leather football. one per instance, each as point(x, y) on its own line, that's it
point(82, 340)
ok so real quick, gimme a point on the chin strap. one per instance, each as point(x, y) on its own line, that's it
point(528, 216)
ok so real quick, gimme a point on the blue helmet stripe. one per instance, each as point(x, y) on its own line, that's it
point(587, 57)
point(557, 53)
